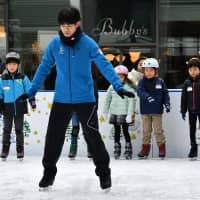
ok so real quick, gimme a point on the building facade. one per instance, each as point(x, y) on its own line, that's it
point(125, 30)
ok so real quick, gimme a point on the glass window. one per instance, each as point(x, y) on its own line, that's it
point(115, 22)
point(179, 38)
point(2, 33)
point(32, 24)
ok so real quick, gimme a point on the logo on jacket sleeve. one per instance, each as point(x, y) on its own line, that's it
point(6, 87)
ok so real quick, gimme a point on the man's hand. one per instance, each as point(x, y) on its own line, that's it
point(124, 92)
point(183, 115)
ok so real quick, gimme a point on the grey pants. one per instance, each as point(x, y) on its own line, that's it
point(7, 128)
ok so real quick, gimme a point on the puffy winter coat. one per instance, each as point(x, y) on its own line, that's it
point(190, 97)
point(74, 83)
point(11, 87)
point(155, 88)
point(115, 105)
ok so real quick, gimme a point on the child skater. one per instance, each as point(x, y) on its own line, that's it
point(12, 85)
point(153, 94)
point(121, 112)
point(190, 101)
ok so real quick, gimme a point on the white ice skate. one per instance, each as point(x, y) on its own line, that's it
point(45, 189)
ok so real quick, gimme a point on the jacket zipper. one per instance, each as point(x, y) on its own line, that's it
point(70, 77)
point(193, 95)
point(14, 103)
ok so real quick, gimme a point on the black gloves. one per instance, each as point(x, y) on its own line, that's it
point(23, 97)
point(32, 103)
point(124, 92)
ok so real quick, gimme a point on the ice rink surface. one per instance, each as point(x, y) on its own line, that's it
point(152, 179)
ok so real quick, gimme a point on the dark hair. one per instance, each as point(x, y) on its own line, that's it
point(138, 60)
point(193, 62)
point(69, 15)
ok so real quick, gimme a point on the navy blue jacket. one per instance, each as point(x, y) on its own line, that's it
point(155, 88)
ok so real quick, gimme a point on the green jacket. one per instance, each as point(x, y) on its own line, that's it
point(115, 105)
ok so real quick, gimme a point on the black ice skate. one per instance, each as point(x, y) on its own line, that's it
point(128, 151)
point(193, 152)
point(73, 151)
point(20, 152)
point(144, 151)
point(5, 152)
point(47, 181)
point(117, 150)
point(105, 183)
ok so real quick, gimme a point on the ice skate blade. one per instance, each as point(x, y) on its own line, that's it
point(72, 158)
point(20, 159)
point(193, 159)
point(45, 189)
point(107, 190)
point(143, 158)
point(3, 159)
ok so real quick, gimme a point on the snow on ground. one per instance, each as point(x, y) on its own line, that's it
point(152, 179)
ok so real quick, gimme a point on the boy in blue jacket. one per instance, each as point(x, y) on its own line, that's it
point(73, 51)
point(12, 85)
point(153, 94)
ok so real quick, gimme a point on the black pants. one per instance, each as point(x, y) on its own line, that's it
point(192, 123)
point(8, 123)
point(125, 132)
point(58, 121)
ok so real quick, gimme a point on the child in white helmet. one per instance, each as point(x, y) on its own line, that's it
point(121, 112)
point(153, 94)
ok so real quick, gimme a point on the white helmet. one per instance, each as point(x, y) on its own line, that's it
point(150, 62)
point(12, 56)
point(121, 69)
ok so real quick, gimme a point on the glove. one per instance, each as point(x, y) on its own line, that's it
point(150, 99)
point(33, 105)
point(167, 107)
point(128, 119)
point(124, 92)
point(183, 115)
point(23, 97)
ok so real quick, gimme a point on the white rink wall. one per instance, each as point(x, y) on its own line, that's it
point(176, 130)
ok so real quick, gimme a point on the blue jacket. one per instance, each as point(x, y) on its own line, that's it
point(74, 83)
point(11, 87)
point(156, 89)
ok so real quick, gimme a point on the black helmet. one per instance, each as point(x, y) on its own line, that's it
point(69, 15)
point(12, 56)
point(193, 62)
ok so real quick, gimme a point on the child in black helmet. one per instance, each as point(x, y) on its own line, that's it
point(190, 101)
point(13, 84)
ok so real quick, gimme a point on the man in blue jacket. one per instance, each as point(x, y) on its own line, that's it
point(72, 51)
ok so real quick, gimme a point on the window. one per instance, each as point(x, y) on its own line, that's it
point(32, 24)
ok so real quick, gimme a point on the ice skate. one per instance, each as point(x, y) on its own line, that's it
point(20, 152)
point(105, 183)
point(5, 152)
point(117, 150)
point(162, 151)
point(73, 151)
point(144, 153)
point(193, 153)
point(47, 181)
point(128, 151)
